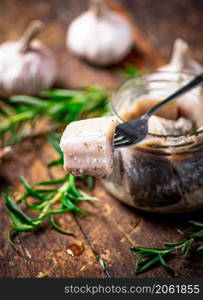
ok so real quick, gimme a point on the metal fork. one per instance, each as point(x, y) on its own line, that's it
point(134, 131)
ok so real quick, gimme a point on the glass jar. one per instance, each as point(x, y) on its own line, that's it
point(163, 173)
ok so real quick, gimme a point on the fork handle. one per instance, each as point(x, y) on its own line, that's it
point(192, 84)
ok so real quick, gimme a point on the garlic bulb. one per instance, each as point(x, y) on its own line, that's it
point(190, 106)
point(26, 65)
point(100, 36)
point(181, 60)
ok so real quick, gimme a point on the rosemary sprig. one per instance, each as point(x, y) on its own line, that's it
point(151, 257)
point(19, 114)
point(46, 202)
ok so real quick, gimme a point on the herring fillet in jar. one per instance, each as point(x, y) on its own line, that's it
point(163, 173)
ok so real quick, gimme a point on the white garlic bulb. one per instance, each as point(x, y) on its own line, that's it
point(100, 36)
point(26, 65)
point(175, 74)
point(181, 59)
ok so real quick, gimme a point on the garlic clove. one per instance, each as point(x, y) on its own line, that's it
point(26, 65)
point(162, 126)
point(100, 36)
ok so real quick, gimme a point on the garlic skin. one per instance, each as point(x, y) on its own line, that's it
point(189, 106)
point(100, 35)
point(181, 59)
point(26, 65)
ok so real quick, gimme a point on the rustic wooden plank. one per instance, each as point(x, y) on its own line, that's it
point(103, 227)
point(86, 265)
point(155, 229)
point(116, 228)
point(13, 264)
point(44, 251)
point(111, 227)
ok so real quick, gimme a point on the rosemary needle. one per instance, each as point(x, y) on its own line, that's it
point(151, 257)
point(20, 114)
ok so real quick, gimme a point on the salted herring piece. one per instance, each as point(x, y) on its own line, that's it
point(155, 126)
point(88, 146)
point(162, 126)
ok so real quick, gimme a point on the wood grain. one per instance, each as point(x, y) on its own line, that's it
point(109, 227)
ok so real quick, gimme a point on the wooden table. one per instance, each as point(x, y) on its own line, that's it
point(109, 228)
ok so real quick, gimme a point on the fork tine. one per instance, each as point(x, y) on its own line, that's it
point(124, 144)
point(119, 142)
point(119, 138)
point(117, 135)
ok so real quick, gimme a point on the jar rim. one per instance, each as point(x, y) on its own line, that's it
point(195, 133)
